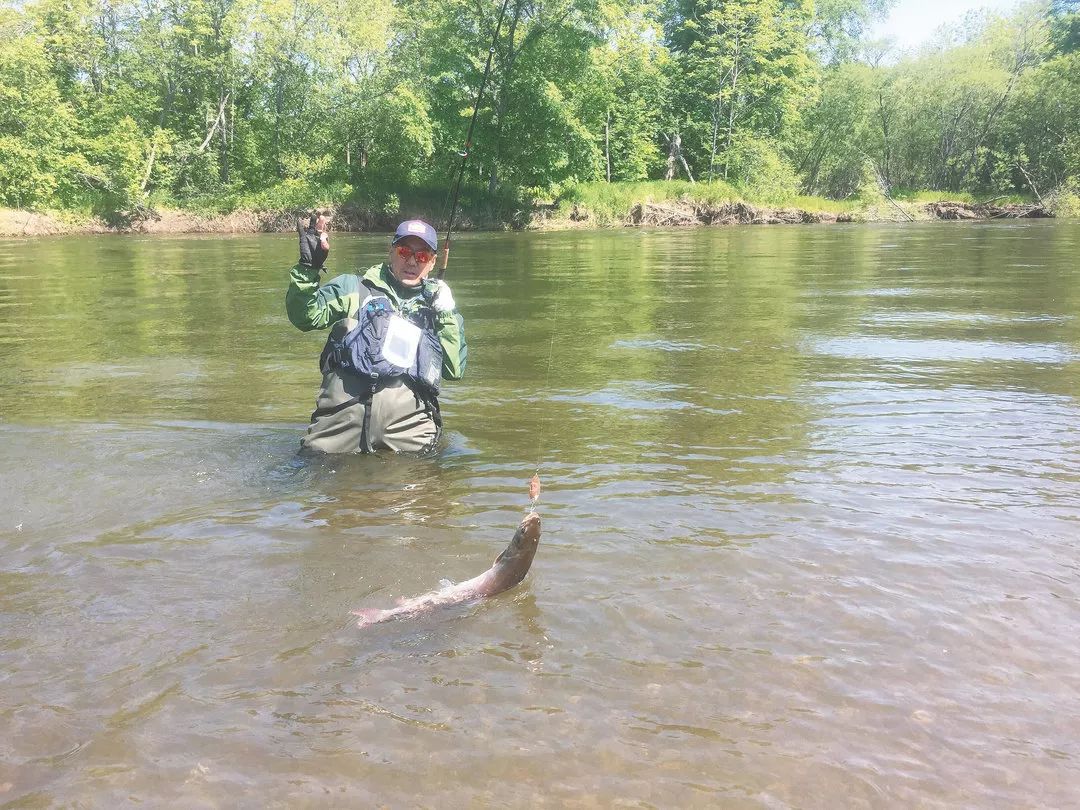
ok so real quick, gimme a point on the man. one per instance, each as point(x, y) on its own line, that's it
point(394, 333)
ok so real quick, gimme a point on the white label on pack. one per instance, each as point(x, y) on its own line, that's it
point(401, 343)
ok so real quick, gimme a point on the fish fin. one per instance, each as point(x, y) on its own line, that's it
point(446, 583)
point(368, 616)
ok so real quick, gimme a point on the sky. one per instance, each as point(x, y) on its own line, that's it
point(912, 22)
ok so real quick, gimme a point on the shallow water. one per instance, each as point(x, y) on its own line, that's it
point(811, 519)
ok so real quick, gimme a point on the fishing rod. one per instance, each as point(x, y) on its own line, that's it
point(468, 140)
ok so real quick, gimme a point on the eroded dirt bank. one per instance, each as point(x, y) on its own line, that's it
point(680, 213)
point(670, 213)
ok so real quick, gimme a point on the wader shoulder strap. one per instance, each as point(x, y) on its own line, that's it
point(372, 289)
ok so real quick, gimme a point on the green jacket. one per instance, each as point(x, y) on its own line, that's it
point(310, 306)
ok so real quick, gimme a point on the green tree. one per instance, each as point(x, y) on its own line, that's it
point(935, 118)
point(624, 91)
point(114, 104)
point(746, 70)
point(1040, 135)
point(1065, 25)
point(830, 150)
point(530, 130)
point(839, 27)
point(35, 123)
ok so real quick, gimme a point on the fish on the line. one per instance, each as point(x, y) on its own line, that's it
point(509, 568)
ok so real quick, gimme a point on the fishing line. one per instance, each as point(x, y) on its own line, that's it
point(468, 140)
point(535, 484)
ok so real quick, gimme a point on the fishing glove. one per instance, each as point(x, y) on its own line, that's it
point(314, 242)
point(438, 296)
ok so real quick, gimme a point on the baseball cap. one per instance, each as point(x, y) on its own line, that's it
point(419, 228)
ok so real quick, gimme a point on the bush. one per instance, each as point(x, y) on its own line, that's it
point(296, 194)
point(1065, 201)
point(35, 123)
point(24, 181)
point(756, 165)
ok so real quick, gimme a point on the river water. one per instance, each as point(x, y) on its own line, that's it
point(811, 515)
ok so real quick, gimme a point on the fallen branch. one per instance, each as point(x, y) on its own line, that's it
point(219, 119)
point(884, 188)
point(149, 167)
point(1030, 182)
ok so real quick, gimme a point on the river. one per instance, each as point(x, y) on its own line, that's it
point(811, 516)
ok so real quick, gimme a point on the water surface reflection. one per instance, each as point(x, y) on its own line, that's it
point(810, 512)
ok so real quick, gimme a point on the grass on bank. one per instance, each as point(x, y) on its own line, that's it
point(371, 205)
point(922, 197)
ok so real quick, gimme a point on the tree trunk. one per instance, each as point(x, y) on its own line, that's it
point(223, 142)
point(715, 134)
point(149, 167)
point(219, 119)
point(675, 154)
point(731, 106)
point(607, 144)
point(166, 103)
point(673, 149)
point(500, 98)
point(686, 168)
point(885, 171)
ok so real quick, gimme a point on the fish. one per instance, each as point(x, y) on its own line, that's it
point(509, 568)
point(534, 488)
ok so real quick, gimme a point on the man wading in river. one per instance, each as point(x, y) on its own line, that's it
point(394, 334)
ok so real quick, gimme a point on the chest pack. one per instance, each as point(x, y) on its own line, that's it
point(386, 344)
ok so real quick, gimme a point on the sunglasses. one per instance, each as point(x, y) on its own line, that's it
point(421, 256)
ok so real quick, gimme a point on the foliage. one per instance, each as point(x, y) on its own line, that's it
point(839, 26)
point(1065, 201)
point(829, 151)
point(1065, 25)
point(1039, 139)
point(625, 91)
point(116, 105)
point(946, 119)
point(34, 163)
point(746, 70)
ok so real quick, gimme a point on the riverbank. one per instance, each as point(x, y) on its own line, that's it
point(684, 210)
point(688, 213)
point(347, 217)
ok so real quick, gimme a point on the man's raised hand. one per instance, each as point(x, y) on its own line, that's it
point(438, 296)
point(314, 239)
